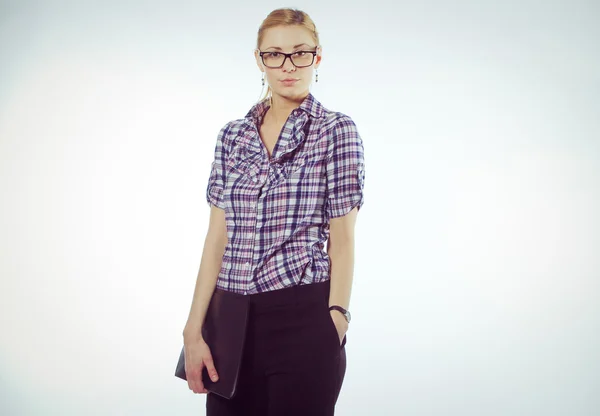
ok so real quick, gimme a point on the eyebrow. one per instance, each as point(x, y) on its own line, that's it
point(278, 48)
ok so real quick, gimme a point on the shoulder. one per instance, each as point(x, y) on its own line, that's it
point(336, 123)
point(229, 132)
point(340, 130)
point(236, 124)
point(233, 127)
point(327, 117)
point(342, 137)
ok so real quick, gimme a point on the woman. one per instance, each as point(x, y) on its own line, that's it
point(285, 178)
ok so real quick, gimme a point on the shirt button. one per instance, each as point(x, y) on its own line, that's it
point(247, 264)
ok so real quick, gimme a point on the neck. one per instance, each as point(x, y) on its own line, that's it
point(281, 107)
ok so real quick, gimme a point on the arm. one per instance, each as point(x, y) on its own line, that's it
point(210, 265)
point(340, 248)
point(214, 242)
point(197, 352)
point(345, 186)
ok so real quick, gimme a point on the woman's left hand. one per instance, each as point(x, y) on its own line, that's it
point(340, 324)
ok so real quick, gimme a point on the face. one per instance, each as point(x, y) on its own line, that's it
point(288, 39)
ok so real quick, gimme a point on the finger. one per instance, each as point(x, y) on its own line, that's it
point(198, 380)
point(200, 385)
point(195, 380)
point(188, 372)
point(210, 367)
point(190, 379)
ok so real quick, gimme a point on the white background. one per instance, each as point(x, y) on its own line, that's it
point(476, 285)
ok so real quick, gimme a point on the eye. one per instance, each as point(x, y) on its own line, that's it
point(299, 53)
point(272, 54)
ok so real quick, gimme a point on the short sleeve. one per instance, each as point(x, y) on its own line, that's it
point(345, 169)
point(216, 180)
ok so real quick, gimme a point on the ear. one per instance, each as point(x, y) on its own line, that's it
point(258, 61)
point(319, 57)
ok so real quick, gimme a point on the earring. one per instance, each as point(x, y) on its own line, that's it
point(263, 79)
point(316, 75)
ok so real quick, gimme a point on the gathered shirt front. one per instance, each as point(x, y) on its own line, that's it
point(277, 209)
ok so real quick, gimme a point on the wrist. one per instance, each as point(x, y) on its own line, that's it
point(341, 311)
point(339, 320)
point(192, 333)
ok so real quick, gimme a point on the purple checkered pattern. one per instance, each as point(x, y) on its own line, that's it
point(278, 209)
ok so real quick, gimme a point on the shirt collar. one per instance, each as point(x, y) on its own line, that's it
point(309, 105)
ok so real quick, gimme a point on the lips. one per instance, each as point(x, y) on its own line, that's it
point(288, 80)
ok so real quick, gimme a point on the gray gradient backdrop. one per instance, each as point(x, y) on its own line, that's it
point(476, 283)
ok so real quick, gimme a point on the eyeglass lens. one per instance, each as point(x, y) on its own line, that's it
point(299, 58)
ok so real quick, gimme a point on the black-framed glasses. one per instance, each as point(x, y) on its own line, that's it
point(300, 59)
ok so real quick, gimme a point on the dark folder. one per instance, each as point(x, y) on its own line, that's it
point(224, 331)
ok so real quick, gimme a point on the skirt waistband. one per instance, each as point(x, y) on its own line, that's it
point(292, 295)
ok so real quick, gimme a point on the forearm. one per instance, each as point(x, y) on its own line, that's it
point(342, 272)
point(210, 265)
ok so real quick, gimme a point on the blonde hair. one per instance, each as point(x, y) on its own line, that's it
point(285, 17)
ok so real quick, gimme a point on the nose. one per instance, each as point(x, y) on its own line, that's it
point(287, 64)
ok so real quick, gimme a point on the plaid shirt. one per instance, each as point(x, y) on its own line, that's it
point(277, 209)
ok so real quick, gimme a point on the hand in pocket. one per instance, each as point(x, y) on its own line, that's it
point(341, 325)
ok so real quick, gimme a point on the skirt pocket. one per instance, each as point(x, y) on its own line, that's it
point(332, 329)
